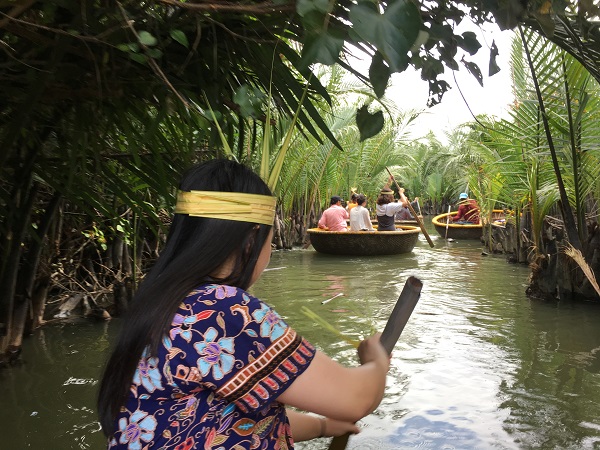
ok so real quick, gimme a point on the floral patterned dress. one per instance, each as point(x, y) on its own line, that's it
point(213, 383)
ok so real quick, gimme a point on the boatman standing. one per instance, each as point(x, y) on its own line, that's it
point(334, 218)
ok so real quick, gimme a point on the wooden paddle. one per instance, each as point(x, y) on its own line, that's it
point(414, 213)
point(393, 329)
point(447, 222)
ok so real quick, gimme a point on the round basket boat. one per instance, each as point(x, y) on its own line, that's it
point(364, 243)
point(461, 230)
point(401, 222)
point(396, 222)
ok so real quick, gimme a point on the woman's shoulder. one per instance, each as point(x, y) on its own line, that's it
point(225, 300)
point(213, 293)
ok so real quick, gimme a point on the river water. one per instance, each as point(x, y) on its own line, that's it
point(478, 366)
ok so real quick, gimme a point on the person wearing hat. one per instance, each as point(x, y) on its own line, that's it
point(334, 218)
point(387, 208)
point(468, 210)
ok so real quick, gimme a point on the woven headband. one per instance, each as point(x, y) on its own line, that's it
point(238, 206)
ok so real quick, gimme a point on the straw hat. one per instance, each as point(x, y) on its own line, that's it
point(386, 191)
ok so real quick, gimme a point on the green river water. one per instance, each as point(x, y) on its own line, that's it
point(479, 365)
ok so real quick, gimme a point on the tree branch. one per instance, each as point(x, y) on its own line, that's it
point(258, 8)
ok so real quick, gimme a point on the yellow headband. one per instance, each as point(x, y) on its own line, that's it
point(252, 208)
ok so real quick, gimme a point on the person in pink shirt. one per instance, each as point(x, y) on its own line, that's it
point(334, 218)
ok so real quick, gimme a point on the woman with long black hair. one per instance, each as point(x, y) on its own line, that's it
point(200, 363)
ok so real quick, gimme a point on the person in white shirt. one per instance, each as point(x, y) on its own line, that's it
point(359, 216)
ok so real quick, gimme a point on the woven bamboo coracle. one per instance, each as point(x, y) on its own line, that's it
point(363, 243)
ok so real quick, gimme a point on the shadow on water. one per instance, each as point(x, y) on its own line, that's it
point(48, 401)
point(479, 366)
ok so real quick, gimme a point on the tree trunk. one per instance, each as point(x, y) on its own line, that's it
point(38, 304)
point(17, 329)
point(117, 253)
point(120, 298)
point(565, 206)
point(27, 275)
point(139, 254)
point(556, 276)
point(24, 199)
point(277, 236)
point(126, 260)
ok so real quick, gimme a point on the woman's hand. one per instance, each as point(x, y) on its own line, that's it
point(334, 427)
point(306, 426)
point(371, 350)
point(334, 391)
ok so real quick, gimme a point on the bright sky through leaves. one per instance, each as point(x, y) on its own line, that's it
point(409, 92)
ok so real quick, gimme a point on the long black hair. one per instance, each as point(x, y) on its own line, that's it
point(196, 248)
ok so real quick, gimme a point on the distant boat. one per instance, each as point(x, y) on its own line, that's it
point(462, 230)
point(365, 243)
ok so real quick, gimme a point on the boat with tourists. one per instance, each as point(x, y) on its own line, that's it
point(448, 230)
point(365, 243)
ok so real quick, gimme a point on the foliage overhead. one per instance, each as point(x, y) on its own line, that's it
point(123, 53)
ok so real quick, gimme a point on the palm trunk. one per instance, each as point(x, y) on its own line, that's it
point(27, 275)
point(38, 304)
point(575, 141)
point(24, 199)
point(565, 207)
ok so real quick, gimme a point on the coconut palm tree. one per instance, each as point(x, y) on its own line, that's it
point(542, 150)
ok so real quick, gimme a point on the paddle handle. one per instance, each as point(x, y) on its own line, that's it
point(339, 442)
point(401, 313)
point(391, 333)
point(414, 213)
point(447, 222)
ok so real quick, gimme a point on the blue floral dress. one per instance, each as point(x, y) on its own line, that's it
point(214, 382)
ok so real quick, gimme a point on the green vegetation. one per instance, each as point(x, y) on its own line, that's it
point(543, 162)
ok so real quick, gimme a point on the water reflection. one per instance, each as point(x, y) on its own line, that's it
point(478, 366)
point(48, 402)
point(562, 359)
